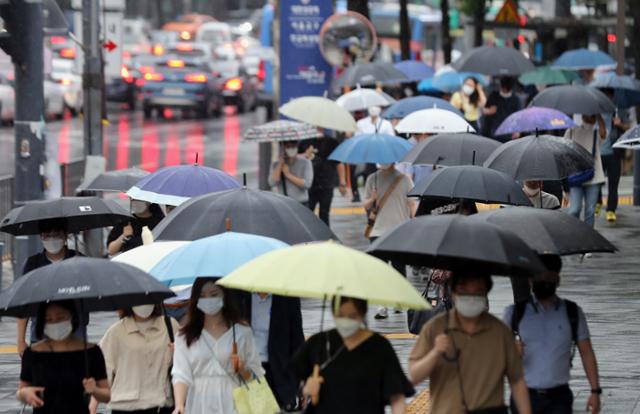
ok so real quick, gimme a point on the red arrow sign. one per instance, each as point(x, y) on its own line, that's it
point(109, 45)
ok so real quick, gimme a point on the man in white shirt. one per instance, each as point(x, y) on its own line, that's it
point(374, 124)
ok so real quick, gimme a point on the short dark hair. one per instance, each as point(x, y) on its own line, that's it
point(128, 312)
point(552, 262)
point(461, 277)
point(360, 304)
point(47, 226)
point(68, 305)
point(507, 82)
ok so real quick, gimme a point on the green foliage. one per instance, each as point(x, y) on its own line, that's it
point(472, 7)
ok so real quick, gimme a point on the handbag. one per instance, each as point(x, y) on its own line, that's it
point(255, 397)
point(417, 319)
point(576, 180)
point(372, 213)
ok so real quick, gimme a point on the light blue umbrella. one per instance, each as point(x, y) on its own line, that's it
point(415, 70)
point(452, 81)
point(371, 148)
point(582, 59)
point(406, 106)
point(626, 89)
point(214, 256)
point(426, 86)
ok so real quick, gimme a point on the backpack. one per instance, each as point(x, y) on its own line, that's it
point(572, 313)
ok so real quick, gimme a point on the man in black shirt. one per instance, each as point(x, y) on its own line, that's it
point(499, 106)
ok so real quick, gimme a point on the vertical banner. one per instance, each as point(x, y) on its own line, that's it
point(303, 69)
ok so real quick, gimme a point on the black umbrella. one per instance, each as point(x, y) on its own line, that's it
point(119, 180)
point(455, 242)
point(369, 74)
point(246, 211)
point(472, 183)
point(574, 99)
point(493, 61)
point(75, 213)
point(95, 284)
point(541, 157)
point(548, 231)
point(452, 149)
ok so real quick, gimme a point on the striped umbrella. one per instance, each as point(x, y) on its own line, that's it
point(282, 130)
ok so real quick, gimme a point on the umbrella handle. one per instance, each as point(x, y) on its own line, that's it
point(315, 398)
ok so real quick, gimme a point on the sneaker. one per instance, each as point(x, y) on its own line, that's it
point(356, 198)
point(596, 213)
point(611, 216)
point(383, 313)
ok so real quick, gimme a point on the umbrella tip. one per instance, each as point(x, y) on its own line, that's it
point(227, 224)
point(244, 180)
point(196, 158)
point(537, 132)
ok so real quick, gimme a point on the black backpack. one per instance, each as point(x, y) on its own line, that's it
point(572, 313)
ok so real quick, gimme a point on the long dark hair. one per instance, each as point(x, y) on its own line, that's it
point(68, 305)
point(475, 96)
point(195, 317)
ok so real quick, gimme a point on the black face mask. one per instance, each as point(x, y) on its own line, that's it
point(544, 290)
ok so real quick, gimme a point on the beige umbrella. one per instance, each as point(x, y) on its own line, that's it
point(320, 112)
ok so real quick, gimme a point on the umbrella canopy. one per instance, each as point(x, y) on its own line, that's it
point(319, 111)
point(574, 99)
point(581, 59)
point(282, 130)
point(246, 211)
point(119, 180)
point(371, 148)
point(452, 149)
point(493, 61)
point(433, 121)
point(75, 214)
point(626, 89)
point(455, 242)
point(414, 70)
point(214, 256)
point(361, 99)
point(541, 157)
point(452, 81)
point(547, 75)
point(369, 74)
point(426, 86)
point(176, 184)
point(548, 231)
point(148, 255)
point(471, 182)
point(629, 139)
point(97, 284)
point(330, 270)
point(533, 119)
point(406, 106)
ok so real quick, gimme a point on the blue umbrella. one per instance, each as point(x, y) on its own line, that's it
point(415, 69)
point(175, 185)
point(426, 86)
point(534, 118)
point(214, 256)
point(581, 59)
point(371, 148)
point(452, 81)
point(626, 89)
point(406, 106)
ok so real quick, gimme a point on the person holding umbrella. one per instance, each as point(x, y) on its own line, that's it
point(292, 175)
point(126, 236)
point(500, 104)
point(57, 373)
point(349, 382)
point(470, 99)
point(539, 198)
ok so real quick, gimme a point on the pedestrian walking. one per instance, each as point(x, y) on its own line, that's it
point(292, 175)
point(500, 104)
point(388, 206)
point(327, 174)
point(58, 372)
point(466, 353)
point(548, 329)
point(138, 356)
point(586, 191)
point(127, 236)
point(539, 198)
point(470, 99)
point(205, 362)
point(359, 370)
point(276, 322)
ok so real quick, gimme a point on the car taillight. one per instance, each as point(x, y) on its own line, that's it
point(153, 76)
point(262, 71)
point(124, 72)
point(57, 40)
point(175, 63)
point(195, 78)
point(65, 81)
point(234, 84)
point(68, 53)
point(158, 50)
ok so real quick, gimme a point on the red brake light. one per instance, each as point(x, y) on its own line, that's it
point(153, 76)
point(124, 72)
point(146, 68)
point(234, 84)
point(68, 53)
point(184, 47)
point(195, 77)
point(262, 71)
point(57, 40)
point(175, 63)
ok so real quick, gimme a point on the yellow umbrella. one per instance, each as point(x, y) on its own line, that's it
point(323, 270)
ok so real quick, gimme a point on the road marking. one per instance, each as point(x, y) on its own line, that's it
point(8, 349)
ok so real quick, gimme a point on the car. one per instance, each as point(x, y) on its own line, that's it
point(187, 25)
point(63, 73)
point(136, 39)
point(161, 38)
point(184, 83)
point(53, 98)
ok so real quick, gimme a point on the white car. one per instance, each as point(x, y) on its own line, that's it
point(62, 72)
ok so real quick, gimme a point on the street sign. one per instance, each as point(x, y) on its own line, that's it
point(112, 35)
point(109, 45)
point(508, 13)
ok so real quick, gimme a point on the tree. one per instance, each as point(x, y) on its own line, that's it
point(446, 33)
point(476, 9)
point(359, 6)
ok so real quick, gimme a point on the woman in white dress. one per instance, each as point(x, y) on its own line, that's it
point(205, 370)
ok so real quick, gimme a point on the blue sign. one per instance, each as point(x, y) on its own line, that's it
point(303, 69)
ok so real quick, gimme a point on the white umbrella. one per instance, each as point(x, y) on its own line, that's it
point(630, 139)
point(319, 111)
point(145, 257)
point(433, 121)
point(361, 99)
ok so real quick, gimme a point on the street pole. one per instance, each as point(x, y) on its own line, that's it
point(620, 36)
point(92, 78)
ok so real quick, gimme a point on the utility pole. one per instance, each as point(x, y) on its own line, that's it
point(92, 78)
point(405, 51)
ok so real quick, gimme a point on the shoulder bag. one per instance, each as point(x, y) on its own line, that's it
point(372, 213)
point(576, 180)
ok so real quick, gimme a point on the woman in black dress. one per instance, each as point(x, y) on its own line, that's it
point(53, 376)
point(359, 370)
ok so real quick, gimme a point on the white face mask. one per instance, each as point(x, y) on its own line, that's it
point(291, 151)
point(374, 111)
point(143, 311)
point(346, 327)
point(468, 89)
point(139, 206)
point(53, 245)
point(383, 166)
point(531, 192)
point(470, 306)
point(58, 331)
point(210, 306)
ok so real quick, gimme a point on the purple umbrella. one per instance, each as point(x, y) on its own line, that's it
point(177, 184)
point(534, 119)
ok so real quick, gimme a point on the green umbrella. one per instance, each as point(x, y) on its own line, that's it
point(547, 76)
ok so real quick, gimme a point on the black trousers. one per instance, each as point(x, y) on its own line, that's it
point(323, 198)
point(400, 267)
point(557, 400)
point(368, 169)
point(612, 166)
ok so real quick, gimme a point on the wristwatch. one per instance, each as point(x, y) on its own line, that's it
point(597, 391)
